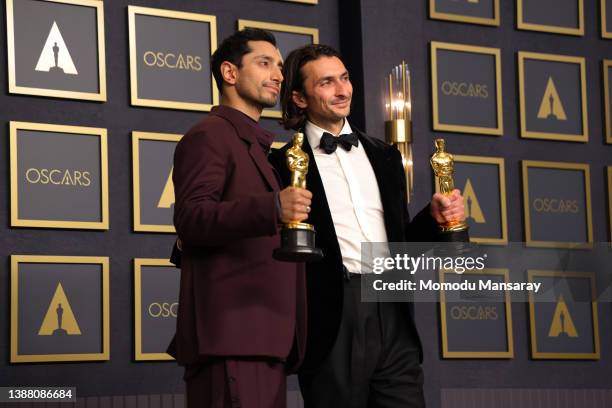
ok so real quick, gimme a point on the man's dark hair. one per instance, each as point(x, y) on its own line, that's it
point(293, 116)
point(234, 47)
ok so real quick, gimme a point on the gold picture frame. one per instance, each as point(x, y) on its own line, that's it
point(500, 163)
point(16, 221)
point(446, 353)
point(38, 358)
point(177, 15)
point(139, 354)
point(284, 28)
point(522, 25)
point(530, 134)
point(136, 210)
point(14, 88)
point(539, 355)
point(585, 168)
point(439, 15)
point(437, 124)
point(607, 65)
point(610, 199)
point(313, 2)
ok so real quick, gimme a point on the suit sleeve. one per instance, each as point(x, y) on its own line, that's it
point(423, 227)
point(203, 165)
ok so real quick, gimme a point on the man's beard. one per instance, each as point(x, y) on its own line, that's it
point(261, 101)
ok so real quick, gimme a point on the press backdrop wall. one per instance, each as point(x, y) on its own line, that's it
point(374, 35)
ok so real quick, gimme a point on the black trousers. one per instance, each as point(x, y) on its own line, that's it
point(374, 362)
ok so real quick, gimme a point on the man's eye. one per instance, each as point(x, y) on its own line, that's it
point(264, 63)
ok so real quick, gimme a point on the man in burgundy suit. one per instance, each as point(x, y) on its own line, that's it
point(241, 313)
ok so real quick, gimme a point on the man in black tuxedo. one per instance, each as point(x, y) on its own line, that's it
point(358, 354)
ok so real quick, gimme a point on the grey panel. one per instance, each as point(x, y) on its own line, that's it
point(577, 296)
point(191, 80)
point(82, 284)
point(562, 13)
point(75, 198)
point(78, 27)
point(480, 329)
point(482, 8)
point(559, 222)
point(567, 82)
point(484, 179)
point(160, 289)
point(457, 103)
point(155, 166)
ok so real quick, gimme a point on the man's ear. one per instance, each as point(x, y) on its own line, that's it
point(229, 72)
point(299, 99)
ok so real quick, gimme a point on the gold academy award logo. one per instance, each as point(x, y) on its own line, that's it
point(172, 61)
point(551, 106)
point(562, 323)
point(65, 177)
point(55, 57)
point(59, 319)
point(166, 200)
point(472, 206)
point(465, 89)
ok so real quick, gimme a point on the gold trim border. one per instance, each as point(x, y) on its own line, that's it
point(607, 66)
point(501, 168)
point(135, 100)
point(138, 264)
point(438, 15)
point(567, 137)
point(302, 1)
point(284, 28)
point(495, 52)
point(40, 358)
point(585, 168)
point(610, 199)
point(522, 25)
point(136, 138)
point(538, 355)
point(99, 96)
point(508, 305)
point(77, 130)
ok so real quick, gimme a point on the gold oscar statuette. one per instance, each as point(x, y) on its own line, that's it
point(442, 164)
point(297, 238)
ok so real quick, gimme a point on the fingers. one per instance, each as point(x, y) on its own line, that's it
point(448, 208)
point(295, 204)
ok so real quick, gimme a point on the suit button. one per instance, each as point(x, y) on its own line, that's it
point(231, 379)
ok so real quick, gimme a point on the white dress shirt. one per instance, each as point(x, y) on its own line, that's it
point(352, 195)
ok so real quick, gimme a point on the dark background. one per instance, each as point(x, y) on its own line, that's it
point(374, 36)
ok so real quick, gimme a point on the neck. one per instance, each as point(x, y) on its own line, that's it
point(333, 127)
point(249, 109)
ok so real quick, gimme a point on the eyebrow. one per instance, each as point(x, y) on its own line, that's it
point(329, 77)
point(268, 58)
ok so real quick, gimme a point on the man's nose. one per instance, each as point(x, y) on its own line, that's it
point(277, 74)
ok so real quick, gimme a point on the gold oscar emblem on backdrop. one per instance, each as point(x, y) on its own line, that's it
point(443, 166)
point(297, 238)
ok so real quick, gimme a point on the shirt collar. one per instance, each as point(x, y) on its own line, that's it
point(314, 133)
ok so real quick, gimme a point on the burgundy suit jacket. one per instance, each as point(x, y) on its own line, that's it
point(235, 299)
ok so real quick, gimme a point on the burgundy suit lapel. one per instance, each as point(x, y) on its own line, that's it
point(264, 167)
point(245, 128)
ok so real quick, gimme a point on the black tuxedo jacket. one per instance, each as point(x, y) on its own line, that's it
point(325, 277)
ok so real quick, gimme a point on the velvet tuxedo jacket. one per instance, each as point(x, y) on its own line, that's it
point(235, 300)
point(325, 278)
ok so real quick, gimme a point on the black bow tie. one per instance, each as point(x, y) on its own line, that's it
point(329, 142)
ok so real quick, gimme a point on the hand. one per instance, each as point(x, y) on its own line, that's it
point(295, 204)
point(447, 208)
